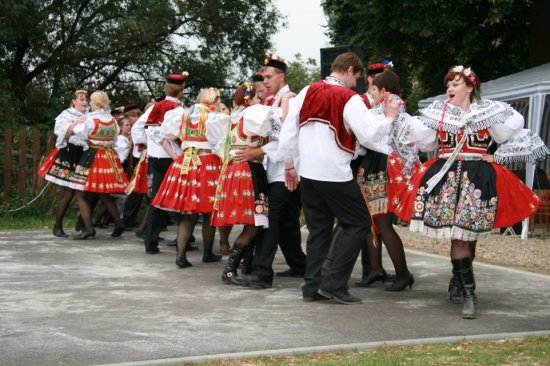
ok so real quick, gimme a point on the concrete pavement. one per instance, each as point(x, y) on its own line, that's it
point(104, 301)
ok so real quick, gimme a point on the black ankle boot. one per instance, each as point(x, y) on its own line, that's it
point(119, 229)
point(58, 231)
point(467, 280)
point(229, 274)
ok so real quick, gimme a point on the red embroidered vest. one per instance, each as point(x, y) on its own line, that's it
point(325, 103)
point(159, 110)
point(476, 143)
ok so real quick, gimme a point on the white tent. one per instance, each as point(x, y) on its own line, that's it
point(528, 92)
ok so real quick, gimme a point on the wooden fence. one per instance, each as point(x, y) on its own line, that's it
point(21, 160)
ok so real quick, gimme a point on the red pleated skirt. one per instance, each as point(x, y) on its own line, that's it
point(235, 203)
point(397, 181)
point(99, 171)
point(193, 192)
point(48, 162)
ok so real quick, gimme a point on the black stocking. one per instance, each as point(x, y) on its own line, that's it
point(110, 205)
point(247, 235)
point(186, 223)
point(67, 195)
point(393, 244)
point(85, 210)
point(208, 234)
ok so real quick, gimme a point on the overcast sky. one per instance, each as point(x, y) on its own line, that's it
point(304, 32)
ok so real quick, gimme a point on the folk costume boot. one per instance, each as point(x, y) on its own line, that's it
point(455, 285)
point(247, 259)
point(467, 280)
point(229, 275)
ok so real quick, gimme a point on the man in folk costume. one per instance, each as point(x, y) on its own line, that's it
point(146, 130)
point(323, 126)
point(284, 205)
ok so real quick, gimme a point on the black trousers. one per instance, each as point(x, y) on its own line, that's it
point(284, 230)
point(131, 209)
point(156, 218)
point(330, 268)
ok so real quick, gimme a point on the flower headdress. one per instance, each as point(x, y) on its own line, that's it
point(247, 90)
point(471, 75)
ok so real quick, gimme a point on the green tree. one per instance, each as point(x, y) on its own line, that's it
point(50, 47)
point(301, 73)
point(424, 38)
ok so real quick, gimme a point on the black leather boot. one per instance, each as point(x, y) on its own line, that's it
point(229, 274)
point(455, 285)
point(467, 280)
point(248, 256)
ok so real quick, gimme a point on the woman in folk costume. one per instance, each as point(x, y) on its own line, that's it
point(241, 197)
point(465, 192)
point(189, 186)
point(383, 172)
point(99, 170)
point(62, 160)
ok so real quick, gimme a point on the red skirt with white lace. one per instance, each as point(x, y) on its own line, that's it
point(193, 192)
point(99, 170)
point(242, 196)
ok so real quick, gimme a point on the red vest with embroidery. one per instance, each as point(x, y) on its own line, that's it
point(325, 103)
point(476, 143)
point(159, 110)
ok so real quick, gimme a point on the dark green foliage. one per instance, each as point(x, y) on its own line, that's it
point(49, 48)
point(425, 37)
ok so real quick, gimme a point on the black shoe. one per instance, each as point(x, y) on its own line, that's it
point(210, 258)
point(154, 250)
point(85, 234)
point(315, 297)
point(191, 246)
point(119, 229)
point(140, 234)
point(291, 273)
point(100, 225)
point(255, 281)
point(401, 283)
point(381, 276)
point(172, 243)
point(58, 231)
point(342, 296)
point(182, 262)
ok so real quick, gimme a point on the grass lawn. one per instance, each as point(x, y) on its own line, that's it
point(528, 351)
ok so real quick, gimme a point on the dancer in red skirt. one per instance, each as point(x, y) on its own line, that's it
point(189, 186)
point(99, 170)
point(241, 197)
point(386, 169)
point(465, 193)
point(61, 161)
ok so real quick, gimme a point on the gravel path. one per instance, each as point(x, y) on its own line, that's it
point(531, 255)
